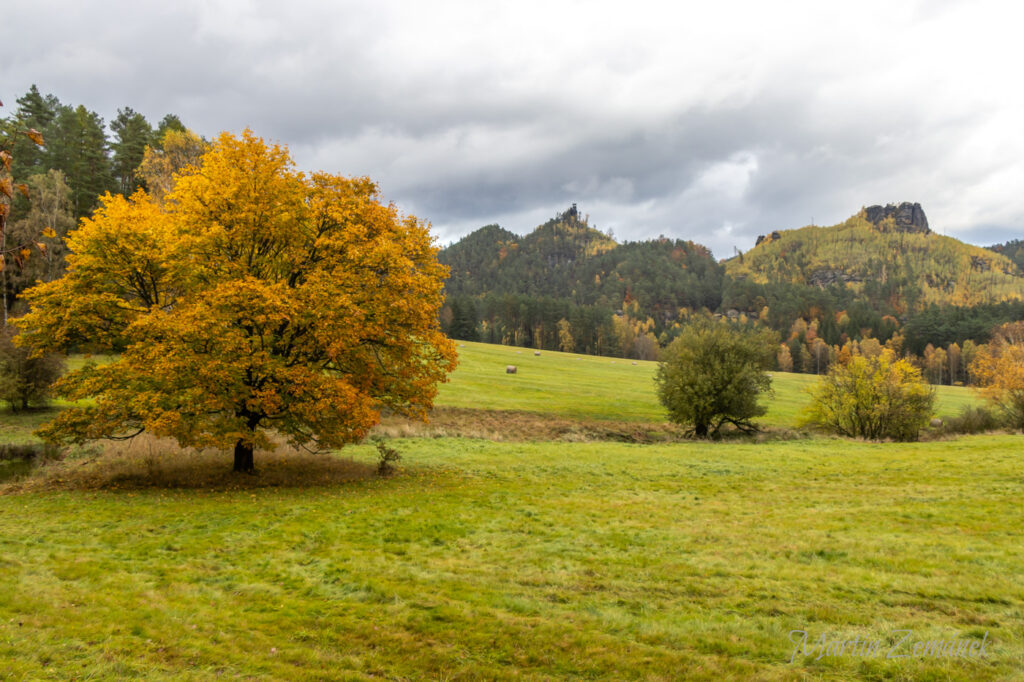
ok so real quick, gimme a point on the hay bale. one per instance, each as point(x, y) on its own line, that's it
point(510, 369)
point(936, 422)
point(634, 363)
point(536, 352)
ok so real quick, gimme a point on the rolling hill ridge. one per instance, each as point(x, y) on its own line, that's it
point(883, 271)
point(566, 259)
point(886, 254)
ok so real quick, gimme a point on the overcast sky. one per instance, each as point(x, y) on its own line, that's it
point(714, 122)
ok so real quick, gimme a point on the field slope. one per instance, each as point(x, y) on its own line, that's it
point(589, 387)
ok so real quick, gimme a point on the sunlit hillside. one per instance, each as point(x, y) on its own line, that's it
point(907, 269)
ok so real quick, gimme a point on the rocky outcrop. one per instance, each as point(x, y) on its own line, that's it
point(980, 264)
point(906, 217)
point(773, 236)
point(825, 277)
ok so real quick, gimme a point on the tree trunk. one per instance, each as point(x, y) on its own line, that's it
point(3, 249)
point(243, 458)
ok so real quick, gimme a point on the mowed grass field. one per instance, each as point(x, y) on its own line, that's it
point(532, 560)
point(588, 387)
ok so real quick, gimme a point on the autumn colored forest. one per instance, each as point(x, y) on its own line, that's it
point(568, 286)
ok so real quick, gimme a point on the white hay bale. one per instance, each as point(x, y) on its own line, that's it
point(510, 369)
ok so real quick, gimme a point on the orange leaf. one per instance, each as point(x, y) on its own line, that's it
point(5, 186)
point(23, 188)
point(5, 159)
point(35, 136)
point(41, 246)
point(49, 232)
point(2, 262)
point(25, 253)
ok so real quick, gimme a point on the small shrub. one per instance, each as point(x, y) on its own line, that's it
point(713, 374)
point(24, 451)
point(874, 398)
point(387, 458)
point(973, 420)
point(24, 379)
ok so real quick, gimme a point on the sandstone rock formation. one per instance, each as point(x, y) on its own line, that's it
point(826, 276)
point(907, 217)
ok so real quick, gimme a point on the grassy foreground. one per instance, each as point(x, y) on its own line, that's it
point(523, 560)
point(544, 560)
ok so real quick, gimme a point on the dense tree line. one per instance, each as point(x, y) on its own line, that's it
point(81, 159)
point(943, 325)
point(1013, 249)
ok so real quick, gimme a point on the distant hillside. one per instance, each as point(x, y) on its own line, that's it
point(567, 259)
point(881, 274)
point(544, 262)
point(567, 286)
point(887, 256)
point(1014, 250)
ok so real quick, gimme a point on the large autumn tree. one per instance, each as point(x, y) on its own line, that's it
point(254, 300)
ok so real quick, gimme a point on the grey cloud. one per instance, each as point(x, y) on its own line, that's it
point(693, 126)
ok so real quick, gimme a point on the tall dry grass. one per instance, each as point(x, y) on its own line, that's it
point(515, 426)
point(149, 462)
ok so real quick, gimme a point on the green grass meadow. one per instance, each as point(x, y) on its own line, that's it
point(533, 560)
point(589, 387)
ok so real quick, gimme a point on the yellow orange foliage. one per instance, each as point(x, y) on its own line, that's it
point(253, 299)
point(998, 369)
point(871, 396)
point(178, 151)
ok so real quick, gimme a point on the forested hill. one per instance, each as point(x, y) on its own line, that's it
point(881, 273)
point(1014, 250)
point(888, 256)
point(567, 260)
